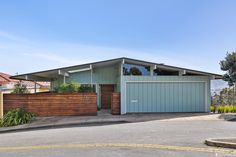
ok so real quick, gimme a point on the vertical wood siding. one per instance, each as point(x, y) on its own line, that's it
point(105, 75)
point(165, 97)
point(165, 94)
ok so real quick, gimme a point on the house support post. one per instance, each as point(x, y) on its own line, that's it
point(35, 87)
point(64, 79)
point(152, 68)
point(64, 74)
point(122, 90)
point(1, 105)
point(182, 72)
point(91, 77)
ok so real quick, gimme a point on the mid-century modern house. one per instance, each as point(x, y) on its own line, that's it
point(143, 86)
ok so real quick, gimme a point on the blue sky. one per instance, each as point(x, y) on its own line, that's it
point(45, 34)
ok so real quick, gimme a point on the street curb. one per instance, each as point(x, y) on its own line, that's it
point(232, 119)
point(219, 143)
point(53, 126)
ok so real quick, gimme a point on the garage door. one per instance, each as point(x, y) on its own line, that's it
point(165, 97)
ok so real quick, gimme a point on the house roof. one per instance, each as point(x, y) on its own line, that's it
point(48, 75)
point(6, 78)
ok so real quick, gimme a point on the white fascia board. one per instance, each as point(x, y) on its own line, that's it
point(182, 72)
point(62, 73)
point(123, 61)
point(80, 70)
point(155, 66)
point(213, 77)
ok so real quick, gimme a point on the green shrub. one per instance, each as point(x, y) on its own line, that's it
point(213, 108)
point(68, 88)
point(226, 109)
point(16, 117)
point(74, 88)
point(220, 109)
point(20, 89)
point(86, 88)
point(231, 107)
point(234, 109)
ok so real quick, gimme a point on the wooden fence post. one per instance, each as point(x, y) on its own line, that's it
point(1, 104)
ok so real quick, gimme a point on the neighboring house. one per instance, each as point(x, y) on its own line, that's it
point(143, 86)
point(7, 84)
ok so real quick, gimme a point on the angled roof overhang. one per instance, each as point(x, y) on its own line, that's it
point(49, 75)
point(172, 68)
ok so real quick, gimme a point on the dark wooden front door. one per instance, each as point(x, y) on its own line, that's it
point(106, 91)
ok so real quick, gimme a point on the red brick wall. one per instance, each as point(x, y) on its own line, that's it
point(53, 104)
point(115, 103)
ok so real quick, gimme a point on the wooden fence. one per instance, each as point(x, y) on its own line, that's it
point(115, 103)
point(53, 104)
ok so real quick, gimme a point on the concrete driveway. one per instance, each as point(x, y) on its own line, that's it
point(177, 137)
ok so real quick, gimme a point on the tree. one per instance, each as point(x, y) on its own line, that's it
point(20, 89)
point(135, 71)
point(229, 65)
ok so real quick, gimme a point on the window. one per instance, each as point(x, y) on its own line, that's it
point(159, 72)
point(192, 74)
point(131, 69)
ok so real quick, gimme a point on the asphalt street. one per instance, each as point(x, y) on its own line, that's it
point(167, 138)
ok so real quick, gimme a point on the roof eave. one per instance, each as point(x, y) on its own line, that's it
point(216, 76)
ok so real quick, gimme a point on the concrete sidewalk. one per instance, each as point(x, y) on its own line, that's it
point(105, 118)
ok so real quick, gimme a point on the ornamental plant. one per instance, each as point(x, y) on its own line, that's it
point(69, 88)
point(16, 116)
point(20, 89)
point(73, 87)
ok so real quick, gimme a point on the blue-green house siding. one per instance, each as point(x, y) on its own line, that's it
point(148, 93)
point(102, 75)
point(165, 94)
point(105, 75)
